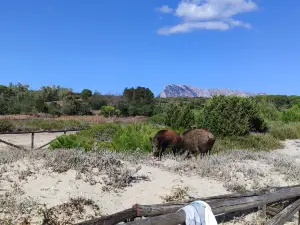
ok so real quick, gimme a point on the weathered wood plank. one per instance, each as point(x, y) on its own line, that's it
point(167, 219)
point(13, 145)
point(219, 206)
point(32, 141)
point(286, 214)
point(112, 219)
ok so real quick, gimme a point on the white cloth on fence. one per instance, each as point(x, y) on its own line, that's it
point(199, 213)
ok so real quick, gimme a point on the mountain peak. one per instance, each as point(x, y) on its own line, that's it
point(181, 90)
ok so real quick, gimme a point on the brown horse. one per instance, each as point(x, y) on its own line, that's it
point(164, 139)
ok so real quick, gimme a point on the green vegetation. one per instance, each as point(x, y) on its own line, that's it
point(108, 111)
point(6, 126)
point(231, 116)
point(116, 137)
point(234, 120)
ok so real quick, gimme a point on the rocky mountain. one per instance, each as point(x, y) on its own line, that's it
point(174, 90)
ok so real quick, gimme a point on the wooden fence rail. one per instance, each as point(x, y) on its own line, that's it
point(32, 137)
point(168, 214)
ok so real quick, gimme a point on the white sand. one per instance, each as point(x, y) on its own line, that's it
point(54, 189)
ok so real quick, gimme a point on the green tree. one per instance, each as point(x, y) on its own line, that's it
point(86, 94)
point(109, 111)
point(231, 115)
point(178, 117)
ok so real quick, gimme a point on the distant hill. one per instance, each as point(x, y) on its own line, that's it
point(179, 90)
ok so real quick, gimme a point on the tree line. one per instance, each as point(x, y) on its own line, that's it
point(56, 100)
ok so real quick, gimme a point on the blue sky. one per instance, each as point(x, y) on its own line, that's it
point(109, 45)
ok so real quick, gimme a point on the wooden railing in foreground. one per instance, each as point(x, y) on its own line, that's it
point(32, 137)
point(167, 214)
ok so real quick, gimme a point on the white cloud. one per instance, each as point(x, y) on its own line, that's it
point(165, 9)
point(208, 14)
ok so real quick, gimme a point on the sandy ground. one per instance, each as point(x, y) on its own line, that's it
point(43, 186)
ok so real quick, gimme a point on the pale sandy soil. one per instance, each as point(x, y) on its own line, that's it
point(28, 184)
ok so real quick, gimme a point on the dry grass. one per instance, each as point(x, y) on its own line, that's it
point(89, 165)
point(73, 211)
point(177, 194)
point(239, 170)
point(92, 167)
point(90, 119)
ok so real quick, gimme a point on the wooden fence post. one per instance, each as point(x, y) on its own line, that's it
point(32, 140)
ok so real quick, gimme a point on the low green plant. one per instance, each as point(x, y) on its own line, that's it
point(134, 136)
point(117, 137)
point(6, 126)
point(72, 141)
point(282, 131)
point(254, 142)
point(157, 119)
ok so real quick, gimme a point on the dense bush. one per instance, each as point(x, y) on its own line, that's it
point(231, 115)
point(157, 119)
point(108, 111)
point(292, 114)
point(54, 109)
point(6, 126)
point(269, 111)
point(179, 117)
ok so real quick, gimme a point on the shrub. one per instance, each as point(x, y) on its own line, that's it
point(269, 111)
point(231, 115)
point(72, 141)
point(283, 131)
point(129, 137)
point(134, 136)
point(179, 118)
point(157, 119)
point(254, 142)
point(54, 109)
point(86, 94)
point(84, 109)
point(108, 111)
point(6, 126)
point(99, 135)
point(292, 114)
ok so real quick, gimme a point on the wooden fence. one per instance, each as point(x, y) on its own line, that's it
point(32, 138)
point(279, 203)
